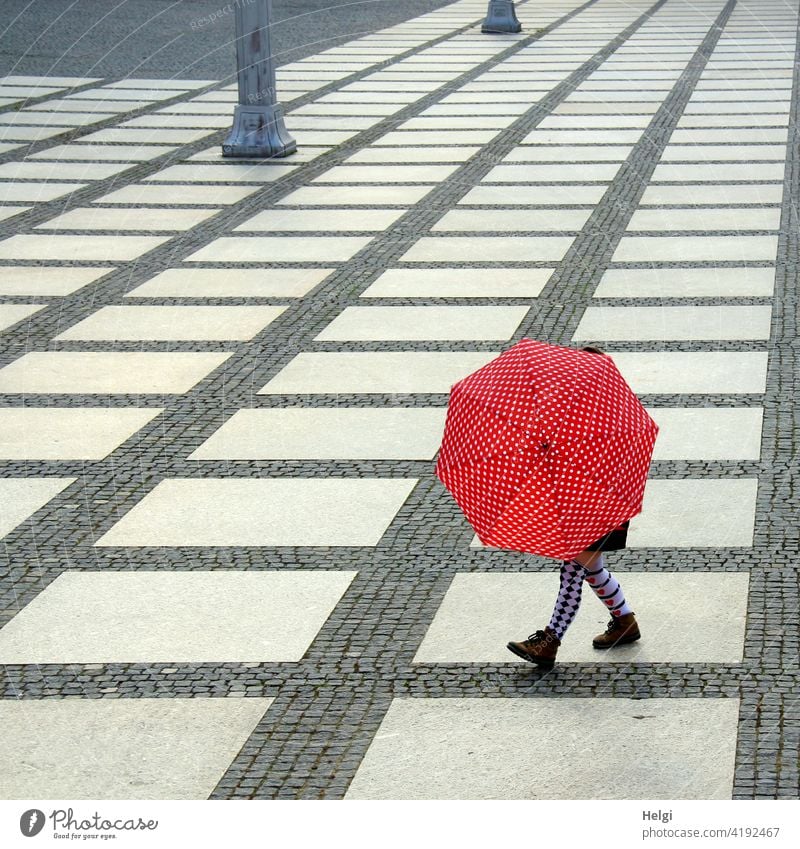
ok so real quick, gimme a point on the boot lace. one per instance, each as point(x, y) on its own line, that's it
point(540, 637)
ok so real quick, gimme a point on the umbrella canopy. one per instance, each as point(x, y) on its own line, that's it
point(546, 449)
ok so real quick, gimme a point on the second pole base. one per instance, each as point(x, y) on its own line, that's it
point(501, 17)
point(258, 132)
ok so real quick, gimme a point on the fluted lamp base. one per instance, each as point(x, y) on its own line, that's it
point(501, 17)
point(258, 132)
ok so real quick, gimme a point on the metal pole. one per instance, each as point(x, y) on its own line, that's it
point(501, 16)
point(258, 128)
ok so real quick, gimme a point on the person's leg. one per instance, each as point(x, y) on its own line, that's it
point(569, 597)
point(542, 646)
point(623, 627)
point(604, 585)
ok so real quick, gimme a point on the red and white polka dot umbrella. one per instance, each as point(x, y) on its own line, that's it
point(546, 449)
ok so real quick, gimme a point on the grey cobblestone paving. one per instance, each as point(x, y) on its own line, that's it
point(329, 706)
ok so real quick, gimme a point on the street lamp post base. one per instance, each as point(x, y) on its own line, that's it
point(501, 17)
point(258, 132)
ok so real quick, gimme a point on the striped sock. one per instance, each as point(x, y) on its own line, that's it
point(569, 597)
point(606, 587)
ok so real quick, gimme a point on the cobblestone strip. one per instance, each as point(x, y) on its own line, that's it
point(768, 752)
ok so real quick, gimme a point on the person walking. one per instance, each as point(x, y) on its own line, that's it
point(541, 647)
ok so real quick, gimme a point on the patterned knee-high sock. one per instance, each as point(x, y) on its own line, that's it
point(569, 597)
point(606, 587)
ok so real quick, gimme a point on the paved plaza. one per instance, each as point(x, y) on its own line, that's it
point(229, 570)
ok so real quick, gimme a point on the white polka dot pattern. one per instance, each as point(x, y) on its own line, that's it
point(546, 449)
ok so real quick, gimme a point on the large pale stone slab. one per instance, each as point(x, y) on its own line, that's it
point(385, 174)
point(459, 748)
point(140, 194)
point(749, 121)
point(706, 282)
point(43, 118)
point(85, 372)
point(44, 280)
point(122, 748)
point(695, 372)
point(706, 172)
point(751, 108)
point(459, 283)
point(356, 195)
point(195, 282)
point(262, 512)
point(20, 498)
point(696, 248)
point(330, 122)
point(423, 323)
point(569, 107)
point(720, 135)
point(7, 212)
point(169, 122)
point(600, 122)
point(303, 154)
point(146, 135)
point(720, 193)
point(436, 137)
point(481, 612)
point(729, 153)
point(378, 372)
point(151, 617)
point(178, 323)
point(143, 219)
point(492, 108)
point(46, 80)
point(572, 154)
point(707, 433)
point(59, 170)
point(262, 173)
point(421, 153)
point(30, 133)
point(561, 172)
point(68, 433)
point(102, 152)
point(567, 195)
point(705, 219)
point(89, 248)
point(327, 220)
point(488, 249)
point(512, 220)
point(11, 314)
point(587, 137)
point(11, 192)
point(696, 513)
point(279, 249)
point(675, 323)
point(320, 433)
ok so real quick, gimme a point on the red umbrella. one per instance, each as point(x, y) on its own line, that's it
point(546, 449)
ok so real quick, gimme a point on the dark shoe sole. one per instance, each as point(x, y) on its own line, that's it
point(620, 642)
point(539, 661)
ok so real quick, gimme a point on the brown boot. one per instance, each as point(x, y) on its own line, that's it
point(620, 630)
point(540, 648)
